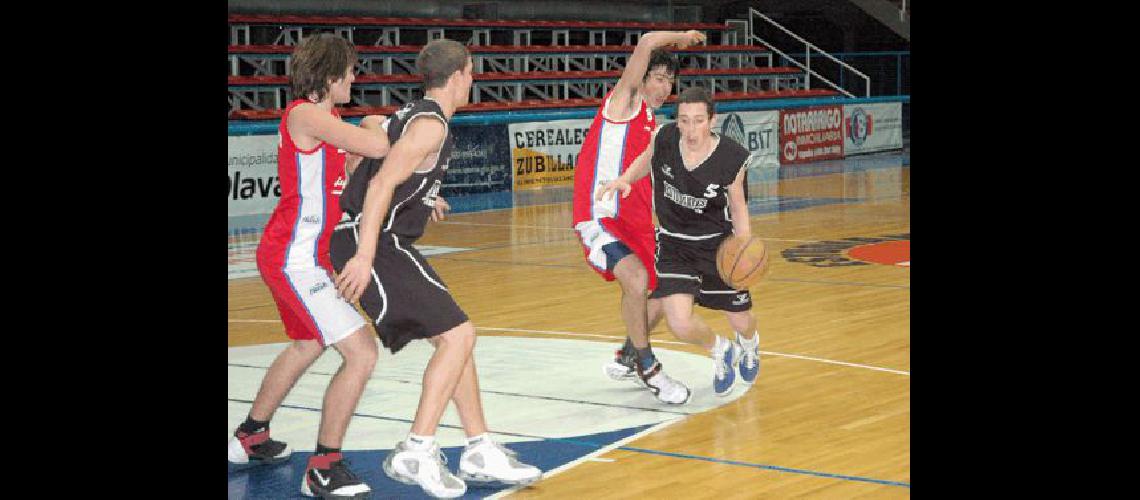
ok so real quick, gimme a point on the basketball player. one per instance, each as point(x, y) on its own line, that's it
point(389, 205)
point(293, 259)
point(617, 236)
point(698, 195)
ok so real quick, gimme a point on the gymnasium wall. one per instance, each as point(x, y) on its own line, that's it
point(537, 151)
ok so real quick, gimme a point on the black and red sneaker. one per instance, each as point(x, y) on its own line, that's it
point(623, 367)
point(257, 448)
point(328, 477)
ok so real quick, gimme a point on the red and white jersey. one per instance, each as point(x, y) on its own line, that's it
point(610, 147)
point(297, 234)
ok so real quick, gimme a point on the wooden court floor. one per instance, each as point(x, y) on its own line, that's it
point(829, 416)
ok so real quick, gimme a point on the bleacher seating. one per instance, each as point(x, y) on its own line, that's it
point(273, 59)
point(572, 71)
point(287, 29)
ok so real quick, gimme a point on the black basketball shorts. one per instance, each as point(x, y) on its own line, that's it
point(690, 267)
point(405, 298)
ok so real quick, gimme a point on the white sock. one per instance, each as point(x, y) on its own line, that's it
point(419, 442)
point(717, 343)
point(749, 342)
point(477, 440)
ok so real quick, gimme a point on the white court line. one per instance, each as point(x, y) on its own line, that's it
point(769, 353)
point(591, 456)
point(615, 337)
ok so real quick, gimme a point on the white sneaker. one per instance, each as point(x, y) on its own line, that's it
point(488, 461)
point(724, 352)
point(425, 468)
point(749, 361)
point(664, 387)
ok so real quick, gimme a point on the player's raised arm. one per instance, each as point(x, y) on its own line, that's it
point(420, 138)
point(638, 62)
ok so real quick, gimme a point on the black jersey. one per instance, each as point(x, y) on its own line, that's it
point(414, 199)
point(693, 205)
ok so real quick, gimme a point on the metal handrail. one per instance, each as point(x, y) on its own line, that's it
point(809, 46)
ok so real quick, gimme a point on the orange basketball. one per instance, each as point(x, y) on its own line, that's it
point(741, 263)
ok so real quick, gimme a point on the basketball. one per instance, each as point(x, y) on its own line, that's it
point(741, 263)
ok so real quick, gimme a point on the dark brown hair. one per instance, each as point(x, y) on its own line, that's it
point(319, 59)
point(697, 94)
point(439, 59)
point(662, 57)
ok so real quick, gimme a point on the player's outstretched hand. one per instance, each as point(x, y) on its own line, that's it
point(695, 37)
point(441, 208)
point(611, 186)
point(353, 278)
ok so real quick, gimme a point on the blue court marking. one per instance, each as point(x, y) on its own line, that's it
point(501, 393)
point(284, 480)
point(477, 202)
point(541, 453)
point(765, 466)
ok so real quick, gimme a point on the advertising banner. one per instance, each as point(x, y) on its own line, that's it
point(758, 132)
point(872, 127)
point(811, 134)
point(543, 153)
point(253, 187)
point(480, 162)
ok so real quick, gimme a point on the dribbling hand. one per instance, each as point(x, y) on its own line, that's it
point(441, 208)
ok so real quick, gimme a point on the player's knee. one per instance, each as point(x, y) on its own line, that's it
point(462, 336)
point(307, 348)
point(360, 351)
point(368, 355)
point(680, 326)
point(633, 279)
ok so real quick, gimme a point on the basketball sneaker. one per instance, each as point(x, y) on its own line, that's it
point(663, 386)
point(488, 461)
point(328, 477)
point(425, 468)
point(749, 361)
point(623, 367)
point(724, 371)
point(257, 448)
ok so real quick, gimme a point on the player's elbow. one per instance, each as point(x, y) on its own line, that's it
point(650, 38)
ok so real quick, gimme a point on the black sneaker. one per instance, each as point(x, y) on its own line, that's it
point(257, 448)
point(328, 476)
point(623, 367)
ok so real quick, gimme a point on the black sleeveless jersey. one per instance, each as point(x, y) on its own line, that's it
point(414, 199)
point(693, 205)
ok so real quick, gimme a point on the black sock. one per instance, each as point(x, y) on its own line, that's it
point(628, 347)
point(251, 426)
point(645, 357)
point(325, 450)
